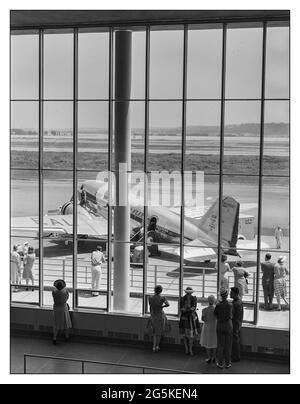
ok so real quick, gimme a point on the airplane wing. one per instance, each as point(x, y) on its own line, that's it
point(59, 226)
point(192, 252)
point(251, 245)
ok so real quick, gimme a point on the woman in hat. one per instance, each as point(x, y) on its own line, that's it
point(280, 273)
point(158, 318)
point(29, 260)
point(61, 316)
point(209, 330)
point(189, 325)
point(240, 278)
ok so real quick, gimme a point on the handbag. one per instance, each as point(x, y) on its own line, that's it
point(149, 327)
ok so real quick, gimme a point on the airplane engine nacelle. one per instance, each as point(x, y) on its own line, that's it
point(67, 209)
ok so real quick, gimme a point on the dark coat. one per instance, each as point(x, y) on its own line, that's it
point(189, 318)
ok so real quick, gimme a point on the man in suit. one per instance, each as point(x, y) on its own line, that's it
point(267, 269)
point(223, 312)
point(237, 321)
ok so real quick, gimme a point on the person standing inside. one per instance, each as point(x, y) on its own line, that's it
point(240, 278)
point(237, 321)
point(208, 337)
point(189, 325)
point(15, 267)
point(223, 313)
point(61, 315)
point(278, 237)
point(280, 273)
point(224, 267)
point(97, 258)
point(28, 273)
point(267, 269)
point(158, 318)
point(82, 196)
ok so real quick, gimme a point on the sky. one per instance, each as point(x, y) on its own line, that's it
point(243, 77)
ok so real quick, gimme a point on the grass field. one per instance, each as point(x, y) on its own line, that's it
point(249, 165)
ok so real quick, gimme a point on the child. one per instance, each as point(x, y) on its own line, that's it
point(209, 330)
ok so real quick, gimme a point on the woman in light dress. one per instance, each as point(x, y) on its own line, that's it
point(15, 266)
point(224, 268)
point(61, 315)
point(208, 337)
point(240, 278)
point(158, 318)
point(28, 272)
point(280, 273)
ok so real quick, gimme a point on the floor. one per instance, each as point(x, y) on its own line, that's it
point(118, 355)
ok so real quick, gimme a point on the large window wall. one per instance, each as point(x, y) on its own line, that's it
point(210, 100)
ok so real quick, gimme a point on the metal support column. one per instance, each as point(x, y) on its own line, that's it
point(123, 46)
point(110, 145)
point(146, 148)
point(222, 123)
point(261, 161)
point(41, 187)
point(75, 149)
point(183, 146)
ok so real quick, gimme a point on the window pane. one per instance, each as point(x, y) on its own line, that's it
point(92, 135)
point(135, 281)
point(242, 137)
point(138, 64)
point(244, 190)
point(57, 230)
point(243, 62)
point(58, 66)
point(137, 135)
point(24, 203)
point(166, 63)
point(203, 137)
point(24, 66)
point(165, 272)
point(58, 134)
point(277, 62)
point(201, 217)
point(275, 212)
point(279, 319)
point(24, 134)
point(276, 138)
point(165, 135)
point(24, 270)
point(204, 68)
point(93, 65)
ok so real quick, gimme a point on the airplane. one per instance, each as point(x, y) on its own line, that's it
point(163, 225)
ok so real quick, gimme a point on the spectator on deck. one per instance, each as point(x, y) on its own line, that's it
point(25, 249)
point(223, 312)
point(28, 272)
point(82, 196)
point(189, 324)
point(61, 315)
point(224, 267)
point(278, 237)
point(280, 273)
point(267, 269)
point(237, 321)
point(240, 278)
point(158, 318)
point(15, 266)
point(209, 330)
point(97, 258)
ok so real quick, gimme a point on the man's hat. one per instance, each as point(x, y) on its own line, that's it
point(224, 292)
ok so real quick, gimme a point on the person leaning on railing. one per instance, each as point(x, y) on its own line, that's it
point(61, 315)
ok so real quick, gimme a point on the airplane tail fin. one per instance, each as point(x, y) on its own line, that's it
point(209, 223)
